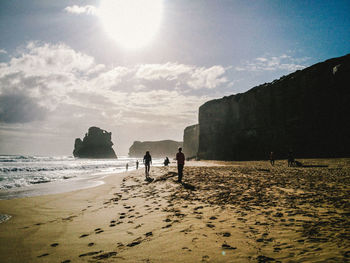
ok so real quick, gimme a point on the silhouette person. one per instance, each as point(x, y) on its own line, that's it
point(180, 157)
point(166, 161)
point(272, 159)
point(290, 159)
point(147, 160)
point(137, 164)
point(127, 166)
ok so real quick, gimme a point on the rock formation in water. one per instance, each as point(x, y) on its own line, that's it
point(97, 143)
point(307, 112)
point(156, 148)
point(191, 139)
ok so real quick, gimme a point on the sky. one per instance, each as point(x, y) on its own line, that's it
point(62, 71)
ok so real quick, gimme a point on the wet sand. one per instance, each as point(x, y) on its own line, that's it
point(224, 212)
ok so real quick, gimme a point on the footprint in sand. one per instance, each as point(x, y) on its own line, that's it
point(226, 234)
point(54, 245)
point(90, 253)
point(226, 246)
point(134, 243)
point(205, 258)
point(83, 235)
point(105, 255)
point(148, 234)
point(98, 231)
point(66, 261)
point(91, 244)
point(43, 255)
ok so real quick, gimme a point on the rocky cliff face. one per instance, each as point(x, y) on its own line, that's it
point(191, 139)
point(156, 148)
point(97, 143)
point(307, 112)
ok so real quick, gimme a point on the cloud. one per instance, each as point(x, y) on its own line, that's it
point(273, 63)
point(19, 108)
point(45, 78)
point(3, 51)
point(78, 10)
point(184, 75)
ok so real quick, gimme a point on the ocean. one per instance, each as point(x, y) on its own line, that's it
point(22, 175)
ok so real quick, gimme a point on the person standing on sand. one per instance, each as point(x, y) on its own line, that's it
point(127, 166)
point(180, 157)
point(147, 160)
point(290, 159)
point(137, 164)
point(272, 159)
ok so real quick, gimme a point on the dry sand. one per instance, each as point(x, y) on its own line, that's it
point(224, 212)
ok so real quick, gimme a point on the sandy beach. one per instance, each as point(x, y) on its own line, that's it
point(224, 212)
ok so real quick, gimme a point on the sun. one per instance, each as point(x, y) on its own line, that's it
point(132, 23)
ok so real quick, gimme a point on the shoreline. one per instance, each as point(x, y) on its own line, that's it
point(224, 212)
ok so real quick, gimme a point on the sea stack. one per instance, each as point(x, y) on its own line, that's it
point(97, 143)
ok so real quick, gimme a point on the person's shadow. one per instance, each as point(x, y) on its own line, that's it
point(189, 186)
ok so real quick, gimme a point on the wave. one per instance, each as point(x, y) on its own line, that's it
point(22, 171)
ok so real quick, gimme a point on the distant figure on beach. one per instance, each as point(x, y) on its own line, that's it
point(137, 164)
point(147, 160)
point(290, 159)
point(272, 159)
point(127, 166)
point(166, 161)
point(180, 157)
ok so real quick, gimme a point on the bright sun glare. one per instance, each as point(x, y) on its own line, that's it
point(132, 23)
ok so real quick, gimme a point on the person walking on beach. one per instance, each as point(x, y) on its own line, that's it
point(272, 159)
point(127, 166)
point(137, 164)
point(290, 159)
point(147, 160)
point(180, 157)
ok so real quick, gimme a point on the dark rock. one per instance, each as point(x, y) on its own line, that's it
point(191, 139)
point(97, 143)
point(156, 148)
point(306, 111)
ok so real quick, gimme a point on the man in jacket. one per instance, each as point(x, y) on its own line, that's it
point(180, 157)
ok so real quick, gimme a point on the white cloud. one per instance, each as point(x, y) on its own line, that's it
point(54, 88)
point(3, 51)
point(273, 63)
point(52, 75)
point(167, 71)
point(78, 10)
point(207, 77)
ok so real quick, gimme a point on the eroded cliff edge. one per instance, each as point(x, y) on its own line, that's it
point(191, 136)
point(307, 112)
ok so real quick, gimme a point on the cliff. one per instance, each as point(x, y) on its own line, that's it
point(191, 139)
point(307, 112)
point(156, 148)
point(97, 143)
